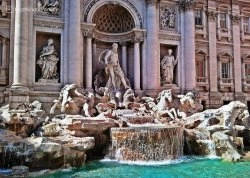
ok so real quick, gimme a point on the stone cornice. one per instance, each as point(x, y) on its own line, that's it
point(212, 15)
point(235, 19)
point(135, 35)
point(187, 4)
point(171, 37)
point(49, 24)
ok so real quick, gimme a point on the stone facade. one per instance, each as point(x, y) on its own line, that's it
point(210, 39)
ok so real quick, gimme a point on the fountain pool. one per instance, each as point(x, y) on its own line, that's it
point(186, 167)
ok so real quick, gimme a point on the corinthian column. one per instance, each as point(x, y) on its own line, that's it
point(89, 62)
point(124, 57)
point(152, 49)
point(75, 64)
point(189, 43)
point(20, 45)
point(137, 71)
point(19, 92)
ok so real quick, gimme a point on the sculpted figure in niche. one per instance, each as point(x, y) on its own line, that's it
point(48, 62)
point(113, 69)
point(167, 68)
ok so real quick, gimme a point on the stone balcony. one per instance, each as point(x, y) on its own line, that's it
point(226, 84)
point(202, 82)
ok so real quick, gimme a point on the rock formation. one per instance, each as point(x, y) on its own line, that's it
point(29, 136)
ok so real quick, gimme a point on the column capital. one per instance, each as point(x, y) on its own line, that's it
point(152, 2)
point(95, 41)
point(235, 19)
point(138, 36)
point(186, 5)
point(212, 15)
point(123, 43)
point(88, 30)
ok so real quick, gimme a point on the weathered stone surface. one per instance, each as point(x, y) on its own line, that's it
point(42, 152)
point(51, 130)
point(89, 125)
point(225, 147)
point(214, 131)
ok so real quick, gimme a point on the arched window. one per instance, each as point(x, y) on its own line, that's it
point(112, 18)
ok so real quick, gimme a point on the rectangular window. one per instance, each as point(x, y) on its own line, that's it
point(198, 17)
point(247, 71)
point(246, 24)
point(200, 68)
point(223, 20)
point(225, 70)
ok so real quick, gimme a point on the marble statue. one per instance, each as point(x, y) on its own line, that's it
point(70, 100)
point(164, 99)
point(167, 68)
point(113, 69)
point(47, 61)
point(50, 6)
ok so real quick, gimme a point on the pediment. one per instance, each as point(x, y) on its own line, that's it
point(224, 55)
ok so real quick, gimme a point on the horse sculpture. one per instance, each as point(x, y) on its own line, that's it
point(164, 99)
point(186, 103)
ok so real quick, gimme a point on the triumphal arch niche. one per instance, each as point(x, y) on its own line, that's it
point(111, 22)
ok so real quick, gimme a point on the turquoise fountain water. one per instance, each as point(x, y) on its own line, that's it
point(182, 168)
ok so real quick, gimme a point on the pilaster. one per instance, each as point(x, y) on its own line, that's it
point(213, 73)
point(236, 52)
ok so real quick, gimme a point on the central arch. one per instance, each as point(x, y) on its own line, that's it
point(95, 5)
point(111, 18)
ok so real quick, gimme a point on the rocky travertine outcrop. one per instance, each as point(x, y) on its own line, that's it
point(43, 152)
point(214, 131)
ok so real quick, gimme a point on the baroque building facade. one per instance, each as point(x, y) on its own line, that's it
point(209, 42)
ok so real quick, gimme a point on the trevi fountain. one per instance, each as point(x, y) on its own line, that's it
point(125, 88)
point(113, 123)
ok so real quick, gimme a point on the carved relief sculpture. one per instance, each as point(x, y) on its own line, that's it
point(49, 6)
point(113, 70)
point(167, 18)
point(47, 61)
point(167, 68)
point(187, 4)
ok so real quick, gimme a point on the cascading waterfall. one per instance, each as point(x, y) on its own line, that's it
point(13, 154)
point(154, 143)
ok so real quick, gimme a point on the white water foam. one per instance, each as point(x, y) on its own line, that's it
point(184, 159)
